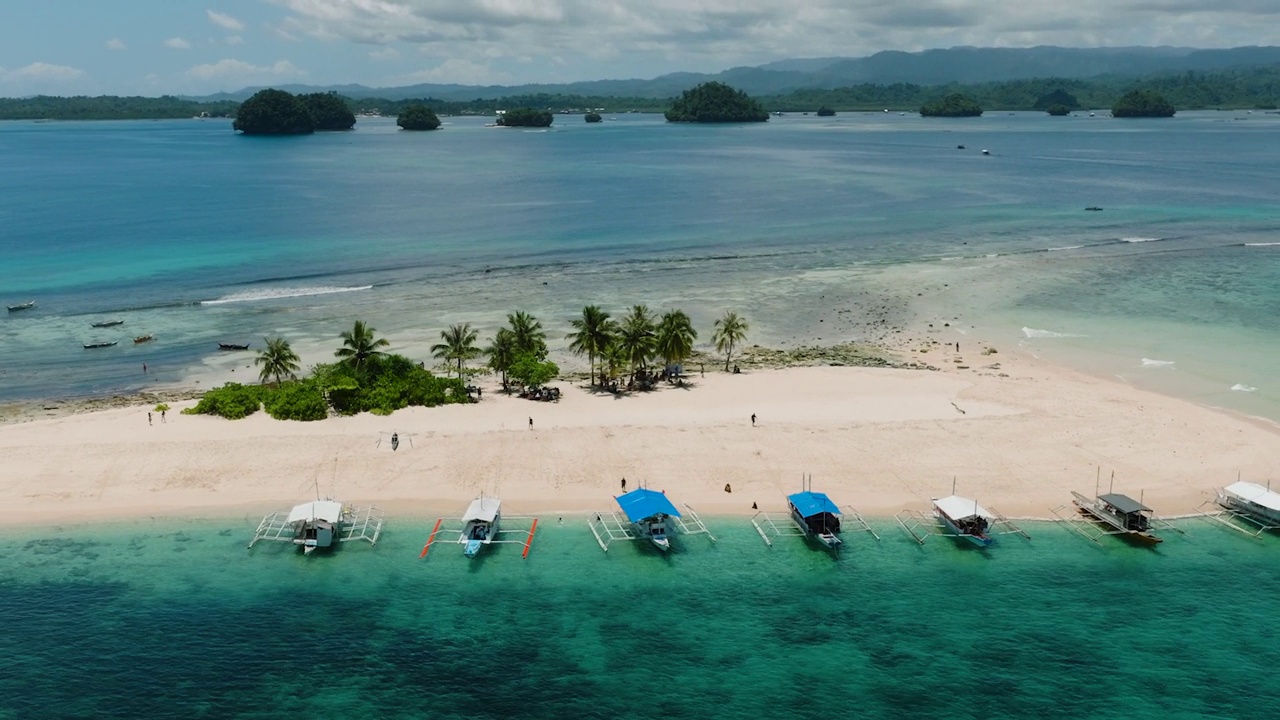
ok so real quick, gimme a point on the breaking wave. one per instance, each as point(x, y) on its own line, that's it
point(1034, 333)
point(1262, 244)
point(1148, 362)
point(1140, 239)
point(279, 293)
point(1241, 387)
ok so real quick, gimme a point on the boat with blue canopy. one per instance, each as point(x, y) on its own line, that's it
point(813, 515)
point(646, 514)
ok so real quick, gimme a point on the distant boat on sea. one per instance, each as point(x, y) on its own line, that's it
point(232, 346)
point(22, 306)
point(143, 338)
point(108, 323)
point(94, 345)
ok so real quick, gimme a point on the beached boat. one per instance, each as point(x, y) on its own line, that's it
point(232, 346)
point(320, 524)
point(649, 515)
point(1116, 514)
point(1254, 508)
point(22, 306)
point(143, 338)
point(108, 323)
point(961, 518)
point(813, 515)
point(480, 528)
point(95, 345)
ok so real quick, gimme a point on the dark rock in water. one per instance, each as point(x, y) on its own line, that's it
point(1093, 208)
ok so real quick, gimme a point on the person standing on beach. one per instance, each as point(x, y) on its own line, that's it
point(530, 423)
point(162, 412)
point(148, 418)
point(753, 419)
point(624, 483)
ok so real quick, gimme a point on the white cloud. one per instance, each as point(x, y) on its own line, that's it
point(177, 43)
point(714, 34)
point(454, 70)
point(233, 40)
point(45, 72)
point(116, 44)
point(238, 71)
point(224, 21)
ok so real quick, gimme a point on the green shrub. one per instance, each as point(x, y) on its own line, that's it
point(302, 400)
point(231, 401)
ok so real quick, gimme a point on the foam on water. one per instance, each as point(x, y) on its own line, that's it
point(1140, 239)
point(280, 293)
point(1270, 244)
point(1034, 333)
point(1241, 387)
point(1148, 362)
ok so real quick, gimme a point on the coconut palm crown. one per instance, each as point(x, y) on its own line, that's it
point(730, 330)
point(674, 337)
point(277, 360)
point(502, 352)
point(360, 344)
point(528, 335)
point(594, 333)
point(459, 345)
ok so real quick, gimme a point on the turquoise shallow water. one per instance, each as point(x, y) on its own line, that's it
point(196, 235)
point(176, 619)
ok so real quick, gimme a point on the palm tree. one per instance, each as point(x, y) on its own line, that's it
point(502, 352)
point(675, 336)
point(528, 334)
point(636, 339)
point(359, 345)
point(595, 332)
point(459, 345)
point(278, 360)
point(730, 330)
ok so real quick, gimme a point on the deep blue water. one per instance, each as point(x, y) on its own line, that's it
point(167, 619)
point(196, 235)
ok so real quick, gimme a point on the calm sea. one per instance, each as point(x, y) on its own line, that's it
point(168, 619)
point(195, 235)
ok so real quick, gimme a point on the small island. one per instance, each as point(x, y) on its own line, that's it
point(417, 117)
point(525, 117)
point(715, 102)
point(825, 111)
point(1058, 110)
point(592, 117)
point(1142, 103)
point(953, 105)
point(276, 112)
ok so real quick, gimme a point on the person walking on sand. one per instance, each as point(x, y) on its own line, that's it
point(162, 412)
point(530, 423)
point(753, 419)
point(148, 418)
point(624, 483)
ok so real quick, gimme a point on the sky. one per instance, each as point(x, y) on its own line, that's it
point(155, 47)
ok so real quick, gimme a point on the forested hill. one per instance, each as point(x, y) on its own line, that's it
point(1254, 88)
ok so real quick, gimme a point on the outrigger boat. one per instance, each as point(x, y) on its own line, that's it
point(1250, 503)
point(94, 345)
point(813, 515)
point(649, 516)
point(108, 323)
point(958, 517)
point(232, 346)
point(22, 306)
point(320, 524)
point(480, 528)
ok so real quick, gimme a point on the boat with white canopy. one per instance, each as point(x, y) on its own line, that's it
point(1254, 508)
point(481, 527)
point(320, 524)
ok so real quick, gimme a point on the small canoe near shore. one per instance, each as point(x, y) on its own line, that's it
point(108, 323)
point(22, 306)
point(232, 346)
point(95, 345)
point(143, 338)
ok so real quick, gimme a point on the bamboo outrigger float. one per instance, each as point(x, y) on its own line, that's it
point(813, 515)
point(321, 524)
point(958, 517)
point(481, 527)
point(647, 515)
point(1247, 507)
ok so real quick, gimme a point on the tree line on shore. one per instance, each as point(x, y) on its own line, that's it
point(366, 378)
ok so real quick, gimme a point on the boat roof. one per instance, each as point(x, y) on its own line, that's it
point(1255, 493)
point(1123, 503)
point(959, 508)
point(809, 504)
point(482, 508)
point(645, 503)
point(328, 510)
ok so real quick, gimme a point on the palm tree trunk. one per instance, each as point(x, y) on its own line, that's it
point(727, 356)
point(591, 361)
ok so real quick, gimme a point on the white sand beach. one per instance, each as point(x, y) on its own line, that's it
point(878, 440)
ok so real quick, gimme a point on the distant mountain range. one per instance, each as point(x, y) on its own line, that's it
point(930, 67)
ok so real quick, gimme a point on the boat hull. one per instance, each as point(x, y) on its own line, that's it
point(982, 541)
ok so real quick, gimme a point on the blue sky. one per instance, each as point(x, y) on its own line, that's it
point(153, 47)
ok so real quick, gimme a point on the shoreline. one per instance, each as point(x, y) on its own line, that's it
point(1018, 438)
